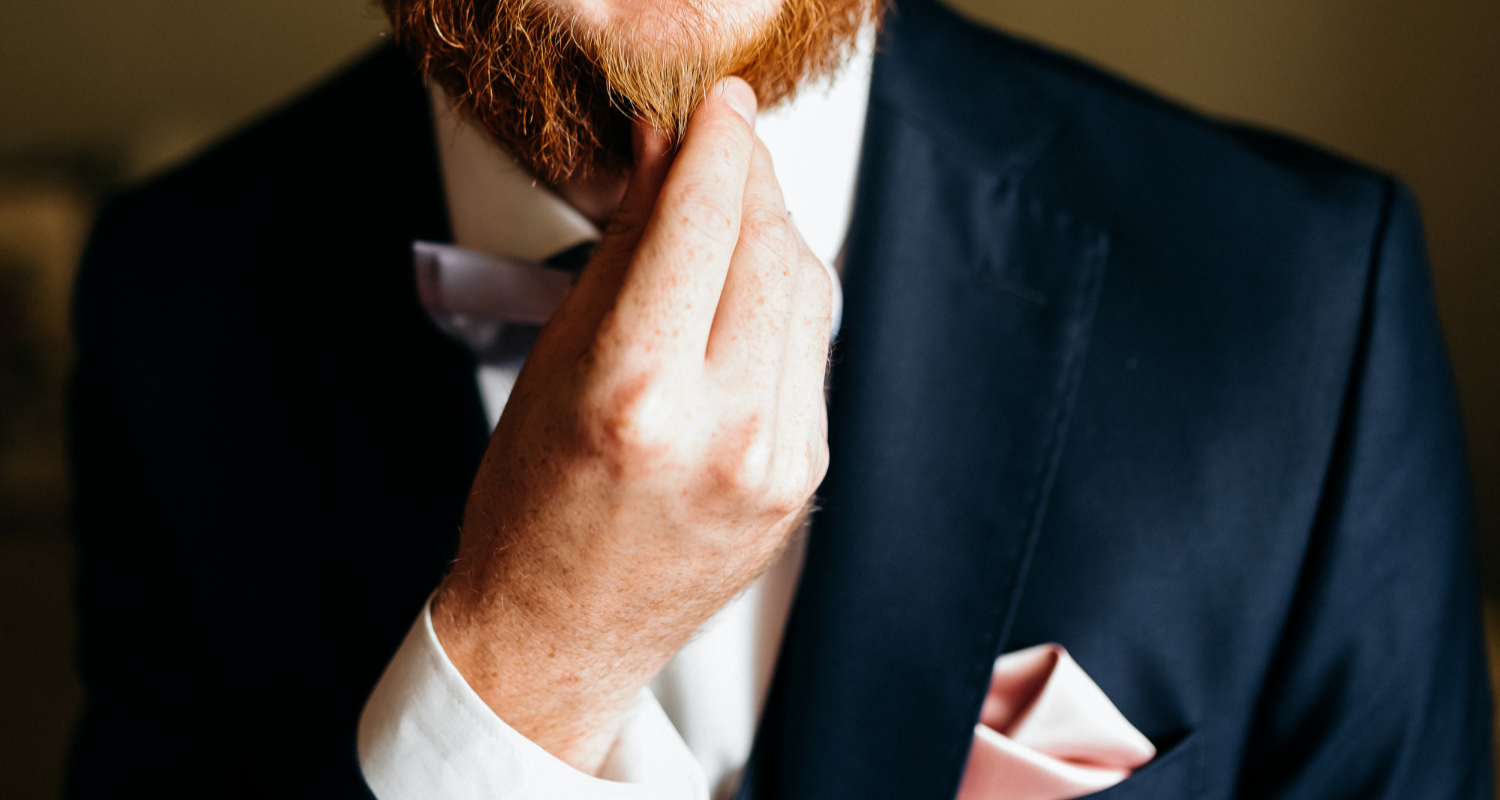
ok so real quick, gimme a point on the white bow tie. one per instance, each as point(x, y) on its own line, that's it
point(473, 297)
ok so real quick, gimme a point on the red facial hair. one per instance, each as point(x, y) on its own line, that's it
point(561, 99)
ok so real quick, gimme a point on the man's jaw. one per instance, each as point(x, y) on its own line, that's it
point(558, 82)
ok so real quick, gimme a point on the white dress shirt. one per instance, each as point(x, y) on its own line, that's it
point(424, 732)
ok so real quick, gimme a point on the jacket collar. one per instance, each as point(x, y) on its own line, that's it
point(968, 317)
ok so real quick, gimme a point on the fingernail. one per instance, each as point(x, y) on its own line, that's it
point(740, 97)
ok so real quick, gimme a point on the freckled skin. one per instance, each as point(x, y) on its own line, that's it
point(659, 448)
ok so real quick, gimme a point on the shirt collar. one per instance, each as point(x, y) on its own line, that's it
point(494, 205)
point(497, 207)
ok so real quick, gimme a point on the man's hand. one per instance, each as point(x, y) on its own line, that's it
point(659, 447)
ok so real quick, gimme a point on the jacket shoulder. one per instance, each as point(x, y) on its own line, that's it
point(1092, 139)
point(351, 116)
point(1083, 89)
point(327, 165)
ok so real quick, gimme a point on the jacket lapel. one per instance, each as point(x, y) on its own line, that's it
point(968, 315)
point(393, 430)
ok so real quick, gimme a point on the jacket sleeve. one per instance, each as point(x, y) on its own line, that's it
point(1379, 688)
point(164, 714)
point(154, 717)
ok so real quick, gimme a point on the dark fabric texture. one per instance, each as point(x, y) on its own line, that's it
point(1168, 392)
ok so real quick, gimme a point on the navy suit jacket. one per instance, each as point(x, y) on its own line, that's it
point(1167, 391)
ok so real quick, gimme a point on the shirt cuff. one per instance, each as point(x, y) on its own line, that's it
point(426, 734)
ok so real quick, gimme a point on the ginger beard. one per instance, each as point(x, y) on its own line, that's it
point(559, 93)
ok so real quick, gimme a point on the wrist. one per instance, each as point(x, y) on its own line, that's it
point(558, 667)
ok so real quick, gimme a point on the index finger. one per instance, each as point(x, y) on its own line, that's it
point(671, 290)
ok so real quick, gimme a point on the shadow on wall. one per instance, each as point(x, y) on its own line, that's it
point(43, 219)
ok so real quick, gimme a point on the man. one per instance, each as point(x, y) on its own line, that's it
point(1168, 393)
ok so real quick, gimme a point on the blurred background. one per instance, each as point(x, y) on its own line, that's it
point(95, 94)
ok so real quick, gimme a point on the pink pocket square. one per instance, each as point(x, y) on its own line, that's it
point(1047, 732)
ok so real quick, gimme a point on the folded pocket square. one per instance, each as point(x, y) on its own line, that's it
point(1047, 732)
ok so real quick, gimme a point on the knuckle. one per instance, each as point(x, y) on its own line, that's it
point(628, 426)
point(819, 466)
point(820, 282)
point(770, 231)
point(787, 502)
point(741, 465)
point(764, 152)
point(820, 288)
point(811, 471)
point(775, 485)
point(799, 481)
point(708, 210)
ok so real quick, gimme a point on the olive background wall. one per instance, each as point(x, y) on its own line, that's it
point(94, 93)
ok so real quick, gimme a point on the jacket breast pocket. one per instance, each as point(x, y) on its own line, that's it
point(1175, 774)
